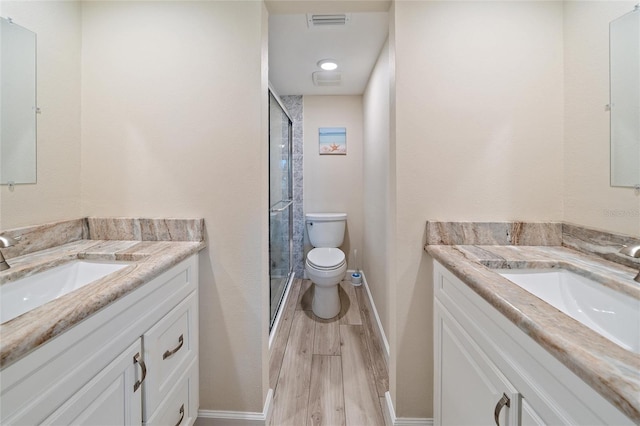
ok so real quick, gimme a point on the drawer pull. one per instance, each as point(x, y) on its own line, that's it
point(503, 401)
point(167, 354)
point(181, 415)
point(137, 360)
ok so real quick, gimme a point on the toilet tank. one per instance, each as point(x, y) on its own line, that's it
point(326, 229)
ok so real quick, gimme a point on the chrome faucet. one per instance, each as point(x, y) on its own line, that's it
point(633, 251)
point(4, 243)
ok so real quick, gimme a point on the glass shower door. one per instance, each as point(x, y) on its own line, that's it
point(280, 204)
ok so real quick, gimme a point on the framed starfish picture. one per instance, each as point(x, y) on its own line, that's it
point(333, 140)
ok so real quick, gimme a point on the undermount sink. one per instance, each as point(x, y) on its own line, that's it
point(25, 294)
point(610, 313)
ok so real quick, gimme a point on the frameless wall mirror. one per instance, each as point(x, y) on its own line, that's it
point(624, 50)
point(17, 104)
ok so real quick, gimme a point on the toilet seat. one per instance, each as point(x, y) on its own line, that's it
point(326, 258)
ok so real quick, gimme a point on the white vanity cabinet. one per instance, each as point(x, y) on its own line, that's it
point(481, 357)
point(133, 362)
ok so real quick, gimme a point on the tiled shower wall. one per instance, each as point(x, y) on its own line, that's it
point(293, 104)
point(278, 192)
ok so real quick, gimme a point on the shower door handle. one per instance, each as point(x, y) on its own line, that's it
point(274, 210)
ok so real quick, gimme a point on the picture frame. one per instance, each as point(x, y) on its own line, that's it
point(332, 140)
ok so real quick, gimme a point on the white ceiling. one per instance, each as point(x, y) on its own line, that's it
point(295, 49)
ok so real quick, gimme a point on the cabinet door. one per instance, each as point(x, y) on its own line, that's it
point(109, 398)
point(469, 387)
point(529, 416)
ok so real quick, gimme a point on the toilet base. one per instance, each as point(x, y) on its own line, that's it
point(326, 301)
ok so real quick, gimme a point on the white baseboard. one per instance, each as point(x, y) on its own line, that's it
point(381, 334)
point(237, 418)
point(388, 411)
point(379, 328)
point(390, 416)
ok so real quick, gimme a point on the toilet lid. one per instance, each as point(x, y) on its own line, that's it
point(326, 258)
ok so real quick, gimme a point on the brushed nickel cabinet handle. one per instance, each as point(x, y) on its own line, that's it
point(168, 353)
point(496, 412)
point(181, 415)
point(137, 360)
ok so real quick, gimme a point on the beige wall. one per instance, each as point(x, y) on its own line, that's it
point(56, 196)
point(376, 186)
point(174, 125)
point(589, 200)
point(486, 124)
point(479, 111)
point(333, 183)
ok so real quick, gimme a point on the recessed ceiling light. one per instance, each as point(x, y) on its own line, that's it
point(328, 64)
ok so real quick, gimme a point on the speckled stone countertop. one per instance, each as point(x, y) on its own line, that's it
point(152, 246)
point(612, 371)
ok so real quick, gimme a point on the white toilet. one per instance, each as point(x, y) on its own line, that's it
point(326, 263)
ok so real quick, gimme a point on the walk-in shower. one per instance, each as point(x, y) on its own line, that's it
point(280, 204)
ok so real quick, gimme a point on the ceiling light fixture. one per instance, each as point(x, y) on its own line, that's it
point(328, 64)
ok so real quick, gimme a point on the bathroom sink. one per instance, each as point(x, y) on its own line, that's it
point(25, 294)
point(610, 313)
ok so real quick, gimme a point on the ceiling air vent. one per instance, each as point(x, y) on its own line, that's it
point(327, 78)
point(319, 21)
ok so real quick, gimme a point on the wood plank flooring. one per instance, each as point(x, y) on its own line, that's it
point(327, 372)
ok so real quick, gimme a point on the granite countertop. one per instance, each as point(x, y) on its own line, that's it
point(148, 259)
point(612, 371)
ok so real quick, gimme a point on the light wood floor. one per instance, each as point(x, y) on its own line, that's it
point(327, 372)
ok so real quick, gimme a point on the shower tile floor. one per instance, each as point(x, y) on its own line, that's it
point(327, 372)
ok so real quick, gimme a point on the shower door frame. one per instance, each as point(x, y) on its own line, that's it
point(289, 279)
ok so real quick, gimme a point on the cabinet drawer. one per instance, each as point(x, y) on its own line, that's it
point(180, 406)
point(169, 347)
